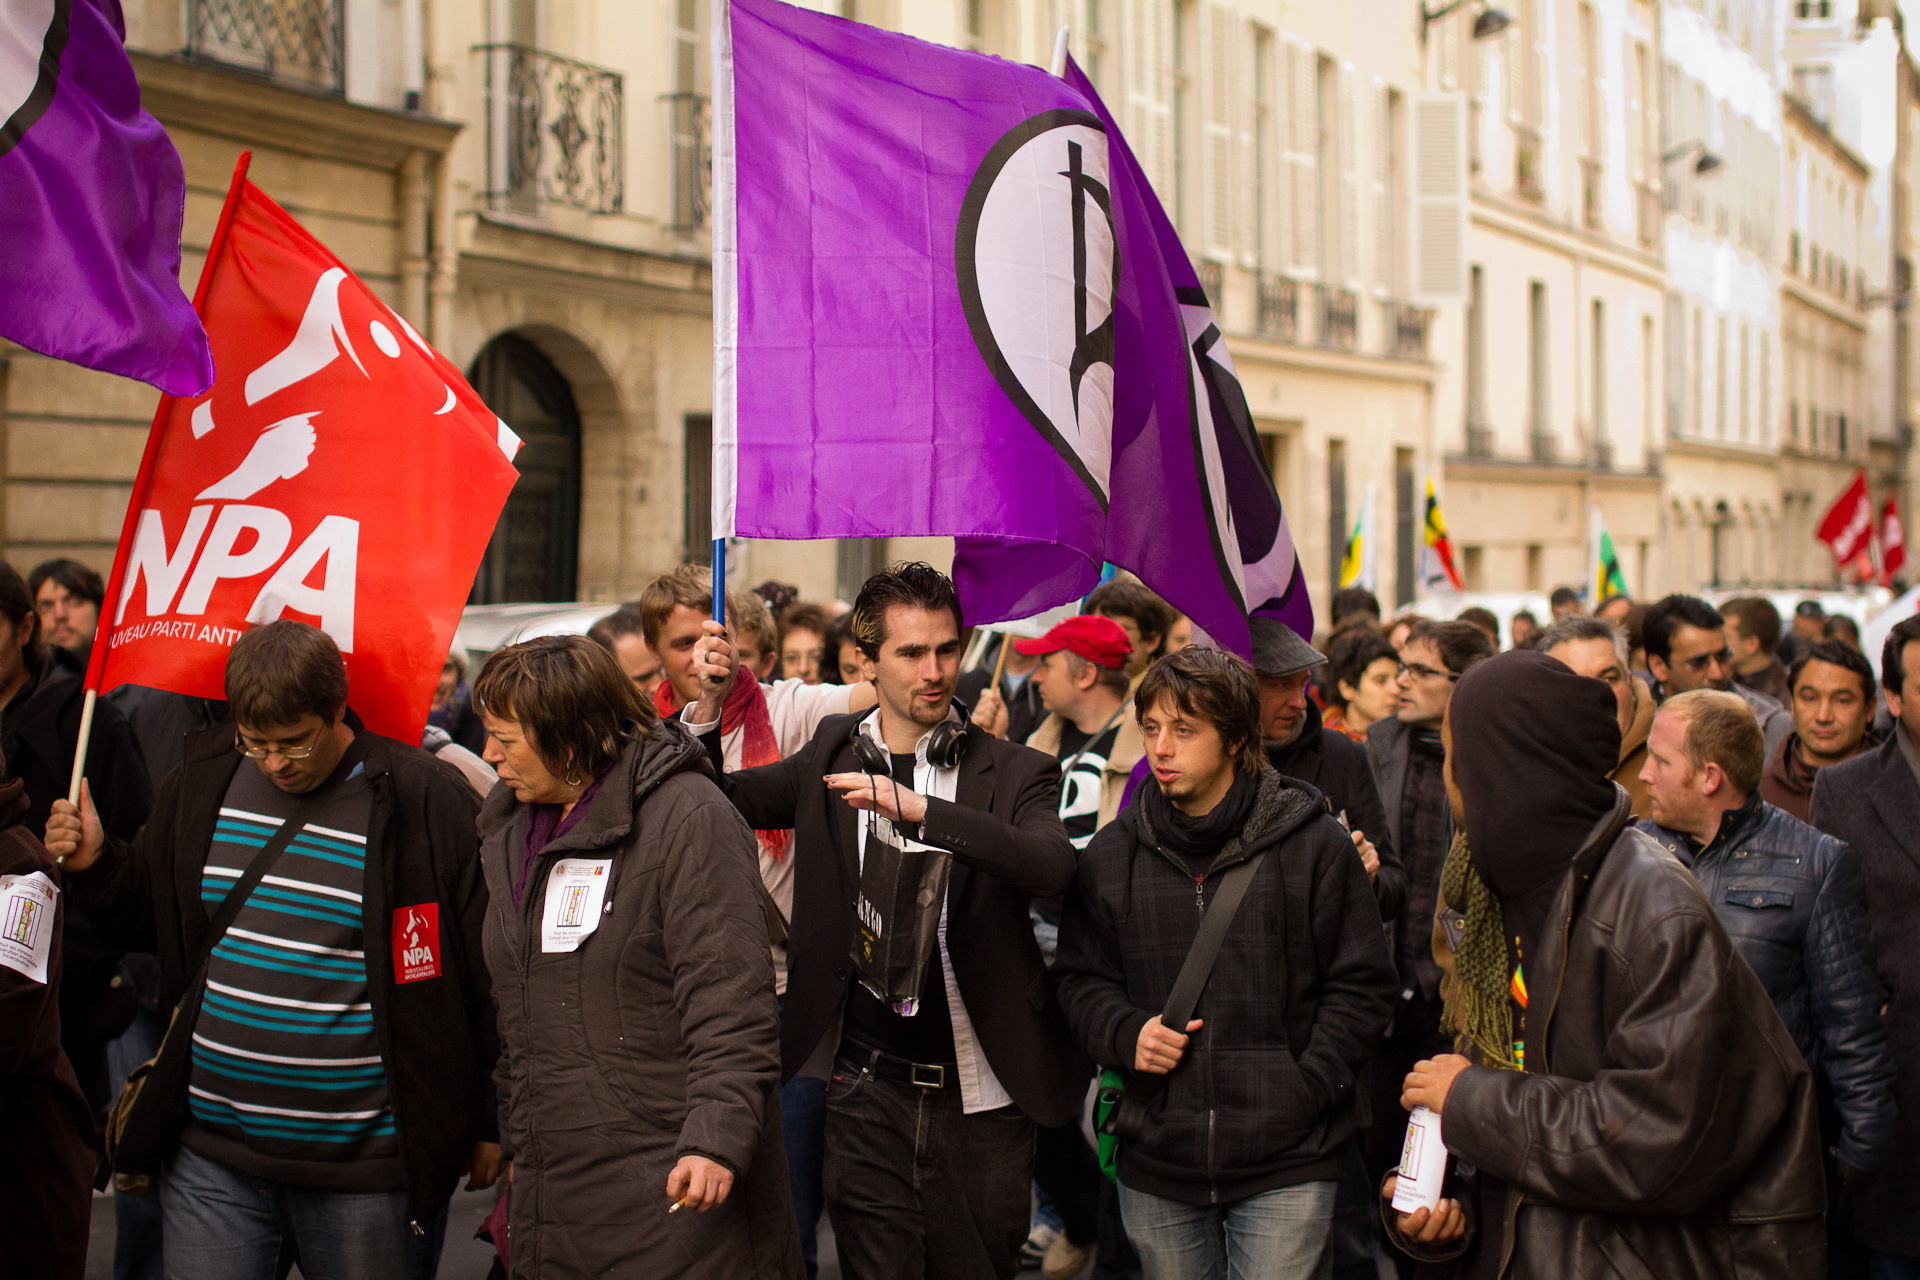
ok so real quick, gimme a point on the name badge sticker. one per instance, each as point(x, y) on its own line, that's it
point(26, 923)
point(576, 889)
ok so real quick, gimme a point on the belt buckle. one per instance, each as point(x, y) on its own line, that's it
point(920, 1071)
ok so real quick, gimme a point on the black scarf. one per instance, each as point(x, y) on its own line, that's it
point(1199, 838)
point(1533, 744)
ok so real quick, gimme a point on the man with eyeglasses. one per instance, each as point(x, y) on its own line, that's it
point(1687, 649)
point(1407, 759)
point(338, 1078)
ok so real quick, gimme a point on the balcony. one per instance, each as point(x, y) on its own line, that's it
point(297, 41)
point(692, 137)
point(1339, 317)
point(1479, 440)
point(1529, 161)
point(1212, 283)
point(1543, 446)
point(1603, 455)
point(1279, 308)
point(554, 132)
point(1407, 331)
point(1592, 201)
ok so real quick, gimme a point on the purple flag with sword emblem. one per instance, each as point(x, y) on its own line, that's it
point(946, 302)
point(92, 196)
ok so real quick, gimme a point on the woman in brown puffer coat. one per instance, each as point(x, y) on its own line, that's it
point(628, 948)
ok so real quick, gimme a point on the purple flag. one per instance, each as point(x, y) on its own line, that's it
point(92, 196)
point(942, 306)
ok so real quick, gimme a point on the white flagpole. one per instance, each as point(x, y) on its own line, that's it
point(1059, 67)
point(726, 319)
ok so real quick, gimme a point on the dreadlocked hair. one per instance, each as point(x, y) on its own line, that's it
point(1477, 1008)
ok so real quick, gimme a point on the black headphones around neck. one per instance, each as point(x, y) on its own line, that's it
point(944, 748)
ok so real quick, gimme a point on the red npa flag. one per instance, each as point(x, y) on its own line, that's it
point(1893, 543)
point(340, 472)
point(1848, 525)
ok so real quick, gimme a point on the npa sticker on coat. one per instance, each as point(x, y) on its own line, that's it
point(575, 889)
point(26, 923)
point(416, 942)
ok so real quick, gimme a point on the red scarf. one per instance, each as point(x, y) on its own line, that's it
point(746, 705)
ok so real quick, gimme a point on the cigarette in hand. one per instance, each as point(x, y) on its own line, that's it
point(676, 1206)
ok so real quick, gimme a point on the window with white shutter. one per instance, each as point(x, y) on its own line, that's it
point(1385, 225)
point(1217, 88)
point(1299, 132)
point(1251, 48)
point(1347, 146)
point(1438, 163)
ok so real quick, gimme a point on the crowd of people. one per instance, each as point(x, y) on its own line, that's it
point(1618, 898)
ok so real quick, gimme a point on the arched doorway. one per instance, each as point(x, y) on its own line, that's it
point(534, 554)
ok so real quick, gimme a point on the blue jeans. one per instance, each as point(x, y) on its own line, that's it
point(1884, 1266)
point(136, 1219)
point(221, 1224)
point(803, 1124)
point(1276, 1233)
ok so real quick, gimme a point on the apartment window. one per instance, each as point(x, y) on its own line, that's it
point(1597, 383)
point(1698, 370)
point(1766, 389)
point(697, 527)
point(1096, 43)
point(1405, 532)
point(1336, 510)
point(1536, 567)
point(1328, 165)
point(1539, 408)
point(1844, 439)
point(1262, 138)
point(1793, 251)
point(1648, 355)
point(1720, 377)
point(1477, 358)
point(856, 560)
point(1793, 421)
point(1591, 141)
point(976, 24)
point(1746, 419)
point(1182, 83)
point(1473, 573)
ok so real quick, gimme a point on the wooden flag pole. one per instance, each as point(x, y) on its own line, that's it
point(1000, 666)
point(80, 745)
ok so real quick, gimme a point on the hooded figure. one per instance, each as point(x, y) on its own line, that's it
point(1652, 1116)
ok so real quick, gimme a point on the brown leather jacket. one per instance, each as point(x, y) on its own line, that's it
point(1668, 1125)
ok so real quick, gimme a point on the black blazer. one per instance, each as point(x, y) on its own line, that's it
point(1003, 829)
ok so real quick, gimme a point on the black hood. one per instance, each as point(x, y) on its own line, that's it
point(1533, 744)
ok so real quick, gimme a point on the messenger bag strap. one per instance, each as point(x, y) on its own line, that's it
point(1206, 944)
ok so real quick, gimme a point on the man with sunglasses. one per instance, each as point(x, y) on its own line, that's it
point(1687, 649)
point(338, 1075)
point(1407, 758)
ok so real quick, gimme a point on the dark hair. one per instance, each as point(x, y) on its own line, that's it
point(71, 574)
point(282, 671)
point(1563, 595)
point(1216, 686)
point(1838, 654)
point(1351, 601)
point(1526, 614)
point(577, 708)
point(805, 617)
point(1635, 625)
point(1756, 617)
point(779, 596)
point(1349, 656)
point(1485, 619)
point(626, 621)
point(911, 584)
point(1149, 612)
point(691, 586)
point(838, 634)
point(1460, 644)
point(1668, 616)
point(16, 606)
point(1893, 655)
point(1839, 626)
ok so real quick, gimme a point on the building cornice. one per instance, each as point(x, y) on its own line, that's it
point(1723, 451)
point(495, 251)
point(189, 93)
point(1796, 111)
point(1472, 466)
point(1524, 222)
point(1818, 300)
point(1329, 360)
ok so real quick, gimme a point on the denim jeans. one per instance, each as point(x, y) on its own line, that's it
point(1884, 1266)
point(136, 1219)
point(221, 1224)
point(918, 1191)
point(1276, 1233)
point(803, 1123)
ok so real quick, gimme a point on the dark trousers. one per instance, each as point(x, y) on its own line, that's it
point(919, 1191)
point(1068, 1171)
point(1388, 1134)
point(803, 1123)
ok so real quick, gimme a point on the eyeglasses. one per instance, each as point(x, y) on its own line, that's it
point(1702, 661)
point(1419, 672)
point(285, 753)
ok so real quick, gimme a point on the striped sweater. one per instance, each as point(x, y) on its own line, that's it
point(287, 1081)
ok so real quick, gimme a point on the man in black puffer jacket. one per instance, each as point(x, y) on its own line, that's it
point(1794, 902)
point(1246, 1147)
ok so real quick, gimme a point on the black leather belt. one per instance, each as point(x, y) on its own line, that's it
point(921, 1075)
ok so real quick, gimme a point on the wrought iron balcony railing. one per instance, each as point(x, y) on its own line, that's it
point(1407, 331)
point(1479, 440)
point(1339, 317)
point(1213, 282)
point(692, 138)
point(1279, 308)
point(299, 41)
point(555, 131)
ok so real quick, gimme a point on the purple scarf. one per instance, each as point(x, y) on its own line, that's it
point(546, 826)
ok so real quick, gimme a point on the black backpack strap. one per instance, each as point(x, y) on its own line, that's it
point(1128, 1118)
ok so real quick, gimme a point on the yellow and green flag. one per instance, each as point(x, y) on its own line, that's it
point(1606, 577)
